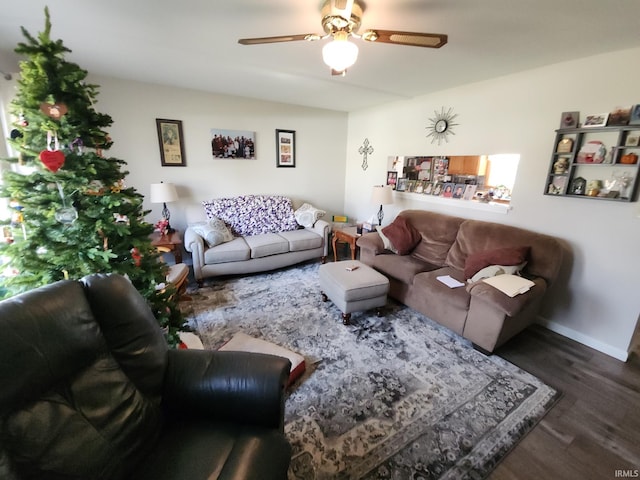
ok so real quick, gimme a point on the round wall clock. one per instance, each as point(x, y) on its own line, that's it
point(441, 125)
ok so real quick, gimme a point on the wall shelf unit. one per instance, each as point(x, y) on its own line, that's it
point(592, 163)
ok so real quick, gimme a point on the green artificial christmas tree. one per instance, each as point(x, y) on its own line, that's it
point(72, 214)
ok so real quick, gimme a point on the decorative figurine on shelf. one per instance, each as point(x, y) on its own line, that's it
point(561, 166)
point(593, 188)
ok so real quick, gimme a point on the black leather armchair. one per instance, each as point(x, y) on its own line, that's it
point(89, 390)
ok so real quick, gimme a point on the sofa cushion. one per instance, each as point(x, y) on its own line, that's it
point(498, 256)
point(214, 231)
point(438, 234)
point(302, 240)
point(307, 215)
point(545, 256)
point(236, 250)
point(266, 244)
point(253, 214)
point(402, 235)
point(403, 268)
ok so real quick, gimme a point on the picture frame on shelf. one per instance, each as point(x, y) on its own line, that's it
point(285, 148)
point(428, 188)
point(171, 143)
point(437, 189)
point(569, 119)
point(619, 116)
point(458, 190)
point(401, 186)
point(447, 191)
point(596, 120)
point(634, 118)
point(632, 140)
point(469, 192)
point(233, 144)
point(392, 178)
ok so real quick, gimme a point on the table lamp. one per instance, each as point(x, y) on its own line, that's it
point(381, 194)
point(164, 193)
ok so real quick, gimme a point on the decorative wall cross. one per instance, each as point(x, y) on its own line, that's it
point(365, 150)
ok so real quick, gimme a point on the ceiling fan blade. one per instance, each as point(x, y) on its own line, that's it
point(279, 39)
point(429, 40)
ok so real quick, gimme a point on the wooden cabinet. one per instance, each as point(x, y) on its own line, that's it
point(599, 163)
point(467, 165)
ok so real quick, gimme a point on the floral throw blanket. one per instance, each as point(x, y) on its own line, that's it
point(253, 214)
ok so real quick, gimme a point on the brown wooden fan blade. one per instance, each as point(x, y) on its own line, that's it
point(282, 38)
point(429, 40)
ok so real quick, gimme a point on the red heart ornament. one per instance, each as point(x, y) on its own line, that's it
point(52, 160)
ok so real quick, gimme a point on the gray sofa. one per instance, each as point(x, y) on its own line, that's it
point(253, 253)
point(478, 311)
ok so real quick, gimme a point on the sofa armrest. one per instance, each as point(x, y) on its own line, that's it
point(322, 228)
point(237, 387)
point(511, 306)
point(371, 243)
point(194, 243)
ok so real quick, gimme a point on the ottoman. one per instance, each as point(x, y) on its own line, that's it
point(353, 286)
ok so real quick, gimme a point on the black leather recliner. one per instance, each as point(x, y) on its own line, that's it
point(89, 390)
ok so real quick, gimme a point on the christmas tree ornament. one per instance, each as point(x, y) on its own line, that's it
point(96, 187)
point(65, 215)
point(55, 111)
point(15, 133)
point(22, 121)
point(52, 158)
point(77, 144)
point(136, 256)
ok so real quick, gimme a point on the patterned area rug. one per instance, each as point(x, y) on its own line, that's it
point(397, 397)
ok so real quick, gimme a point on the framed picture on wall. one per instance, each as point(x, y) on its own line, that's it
point(230, 144)
point(285, 148)
point(171, 143)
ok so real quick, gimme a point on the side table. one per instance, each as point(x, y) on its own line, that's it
point(345, 235)
point(171, 241)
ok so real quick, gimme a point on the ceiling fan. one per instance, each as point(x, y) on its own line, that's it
point(341, 19)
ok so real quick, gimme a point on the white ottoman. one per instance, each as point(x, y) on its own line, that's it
point(353, 289)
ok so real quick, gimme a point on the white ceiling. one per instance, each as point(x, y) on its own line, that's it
point(193, 43)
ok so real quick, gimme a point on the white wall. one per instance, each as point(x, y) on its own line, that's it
point(320, 146)
point(597, 301)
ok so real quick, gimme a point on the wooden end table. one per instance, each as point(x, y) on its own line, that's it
point(171, 241)
point(345, 235)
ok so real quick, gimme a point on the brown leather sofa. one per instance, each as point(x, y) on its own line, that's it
point(478, 311)
point(91, 391)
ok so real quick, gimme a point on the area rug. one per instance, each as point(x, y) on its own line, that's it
point(395, 397)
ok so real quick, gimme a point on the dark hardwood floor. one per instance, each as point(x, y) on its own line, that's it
point(594, 429)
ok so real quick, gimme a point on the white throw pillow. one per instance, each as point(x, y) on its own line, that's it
point(307, 215)
point(214, 231)
point(493, 270)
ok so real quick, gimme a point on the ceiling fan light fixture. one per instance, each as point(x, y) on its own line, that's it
point(340, 53)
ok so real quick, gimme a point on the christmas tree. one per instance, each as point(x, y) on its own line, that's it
point(72, 213)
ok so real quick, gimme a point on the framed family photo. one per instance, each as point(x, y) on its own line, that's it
point(233, 144)
point(171, 143)
point(285, 148)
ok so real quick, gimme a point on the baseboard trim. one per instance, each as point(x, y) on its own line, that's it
point(591, 342)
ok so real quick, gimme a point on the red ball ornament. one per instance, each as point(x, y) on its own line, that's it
point(52, 160)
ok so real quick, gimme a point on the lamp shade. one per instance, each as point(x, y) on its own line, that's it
point(340, 53)
point(163, 193)
point(381, 195)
